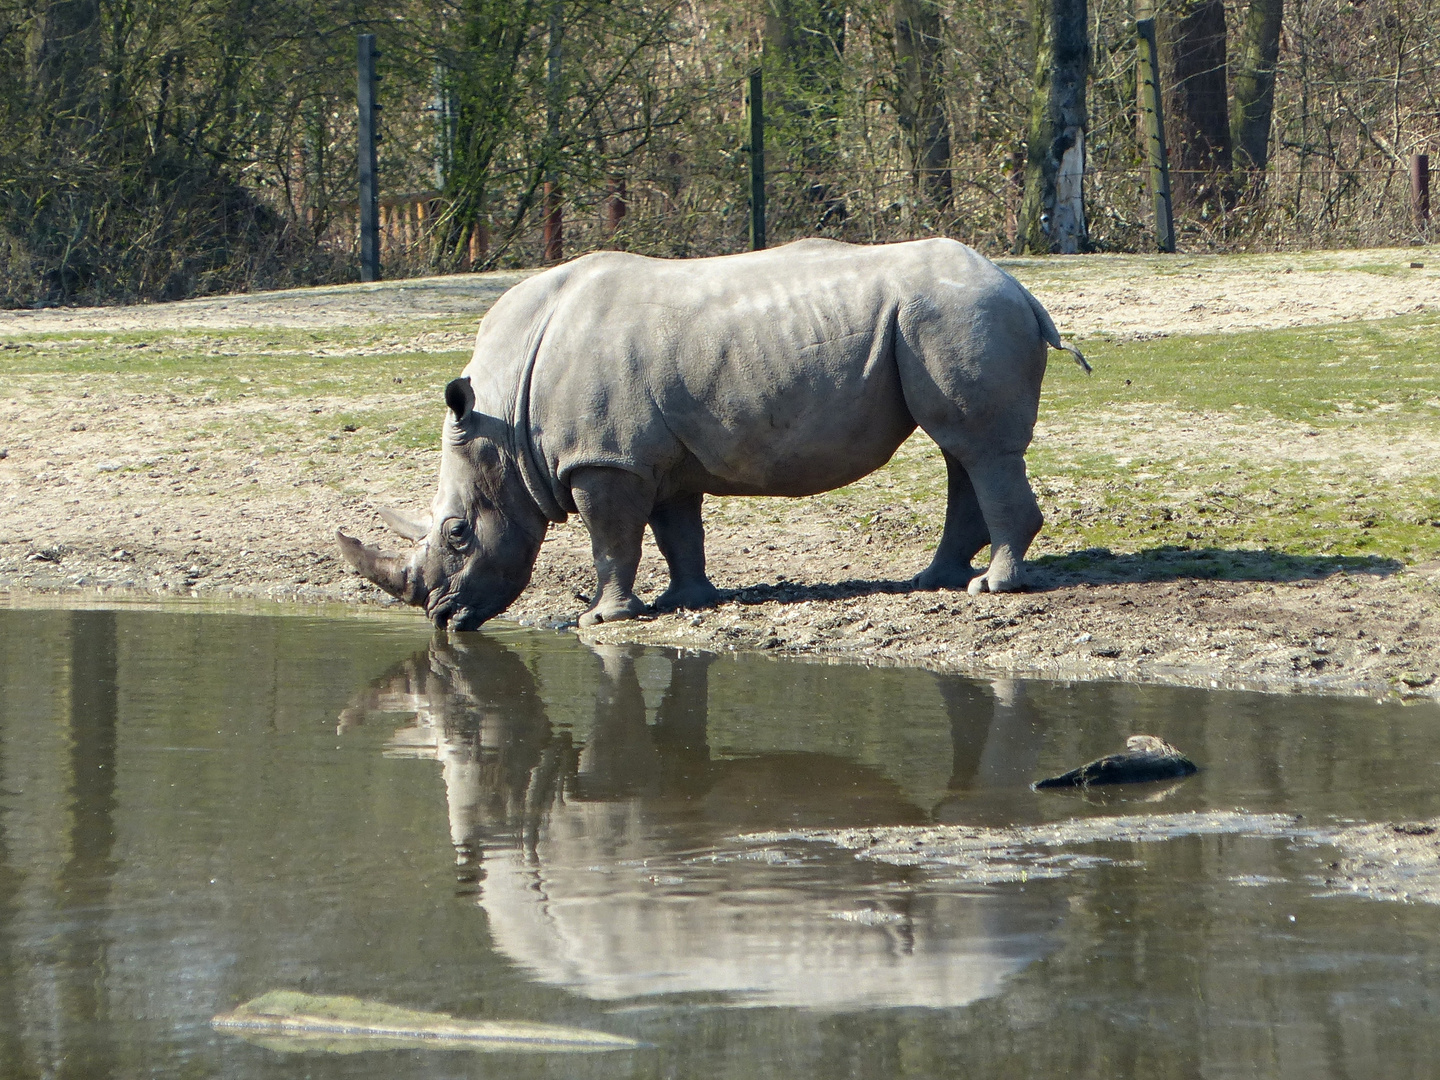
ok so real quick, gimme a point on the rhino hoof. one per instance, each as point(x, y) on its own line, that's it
point(689, 597)
point(944, 577)
point(613, 612)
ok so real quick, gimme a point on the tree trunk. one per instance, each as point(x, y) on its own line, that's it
point(804, 57)
point(920, 102)
point(554, 106)
point(1052, 217)
point(64, 61)
point(1197, 114)
point(1254, 83)
point(483, 68)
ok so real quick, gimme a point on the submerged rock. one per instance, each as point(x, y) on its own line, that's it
point(1145, 758)
point(290, 1020)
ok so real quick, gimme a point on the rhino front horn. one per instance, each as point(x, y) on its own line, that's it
point(390, 572)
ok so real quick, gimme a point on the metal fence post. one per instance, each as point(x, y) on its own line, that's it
point(369, 185)
point(1155, 150)
point(755, 101)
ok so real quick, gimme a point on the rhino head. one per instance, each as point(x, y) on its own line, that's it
point(474, 554)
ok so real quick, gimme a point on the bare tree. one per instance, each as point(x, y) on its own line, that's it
point(1052, 215)
point(804, 62)
point(64, 53)
point(920, 96)
point(1253, 78)
point(1191, 37)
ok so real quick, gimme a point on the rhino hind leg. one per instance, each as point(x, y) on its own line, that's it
point(1013, 517)
point(965, 534)
point(615, 506)
point(680, 536)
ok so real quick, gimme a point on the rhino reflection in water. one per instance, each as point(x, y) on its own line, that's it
point(477, 713)
point(633, 883)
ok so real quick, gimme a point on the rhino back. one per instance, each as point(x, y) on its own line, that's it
point(767, 373)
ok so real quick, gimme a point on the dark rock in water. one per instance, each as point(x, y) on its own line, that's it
point(1145, 758)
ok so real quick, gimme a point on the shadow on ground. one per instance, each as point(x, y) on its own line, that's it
point(1101, 566)
point(1096, 566)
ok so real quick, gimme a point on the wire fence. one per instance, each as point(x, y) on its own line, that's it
point(708, 214)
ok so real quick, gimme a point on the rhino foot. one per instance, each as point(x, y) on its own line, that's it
point(693, 595)
point(613, 611)
point(946, 576)
point(983, 583)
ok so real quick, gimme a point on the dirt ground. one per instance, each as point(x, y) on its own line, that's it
point(84, 510)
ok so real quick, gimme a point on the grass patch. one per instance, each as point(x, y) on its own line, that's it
point(1337, 373)
point(1240, 449)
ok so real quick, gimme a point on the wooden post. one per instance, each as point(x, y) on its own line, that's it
point(615, 208)
point(1015, 195)
point(479, 244)
point(1420, 190)
point(554, 102)
point(755, 102)
point(1154, 117)
point(554, 224)
point(369, 185)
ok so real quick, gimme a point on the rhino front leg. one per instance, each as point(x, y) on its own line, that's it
point(614, 505)
point(1012, 515)
point(965, 534)
point(680, 536)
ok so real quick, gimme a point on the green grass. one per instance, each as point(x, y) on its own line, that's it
point(1319, 441)
point(1311, 443)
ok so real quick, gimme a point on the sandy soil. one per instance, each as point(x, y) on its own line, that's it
point(85, 506)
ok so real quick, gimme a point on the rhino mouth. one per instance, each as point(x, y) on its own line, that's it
point(449, 614)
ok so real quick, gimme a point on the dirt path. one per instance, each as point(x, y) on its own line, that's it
point(85, 506)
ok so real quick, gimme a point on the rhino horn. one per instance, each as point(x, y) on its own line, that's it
point(390, 572)
point(410, 530)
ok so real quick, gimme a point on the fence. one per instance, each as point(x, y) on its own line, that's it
point(706, 214)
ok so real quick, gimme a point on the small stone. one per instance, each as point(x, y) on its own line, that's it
point(1416, 679)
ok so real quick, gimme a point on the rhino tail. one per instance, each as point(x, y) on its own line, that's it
point(1051, 335)
point(1078, 356)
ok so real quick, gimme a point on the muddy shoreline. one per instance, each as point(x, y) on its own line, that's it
point(86, 510)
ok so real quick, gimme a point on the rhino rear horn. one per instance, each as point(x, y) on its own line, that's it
point(403, 526)
point(390, 572)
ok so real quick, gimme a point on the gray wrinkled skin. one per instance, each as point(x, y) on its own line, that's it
point(625, 388)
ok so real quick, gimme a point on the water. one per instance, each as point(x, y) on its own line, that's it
point(196, 808)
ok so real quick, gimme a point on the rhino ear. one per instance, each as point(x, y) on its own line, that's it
point(460, 397)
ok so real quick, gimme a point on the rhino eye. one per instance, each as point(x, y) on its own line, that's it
point(457, 533)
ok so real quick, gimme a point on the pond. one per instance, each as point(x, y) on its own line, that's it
point(199, 807)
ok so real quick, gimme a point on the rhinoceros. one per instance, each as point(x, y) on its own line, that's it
point(626, 389)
